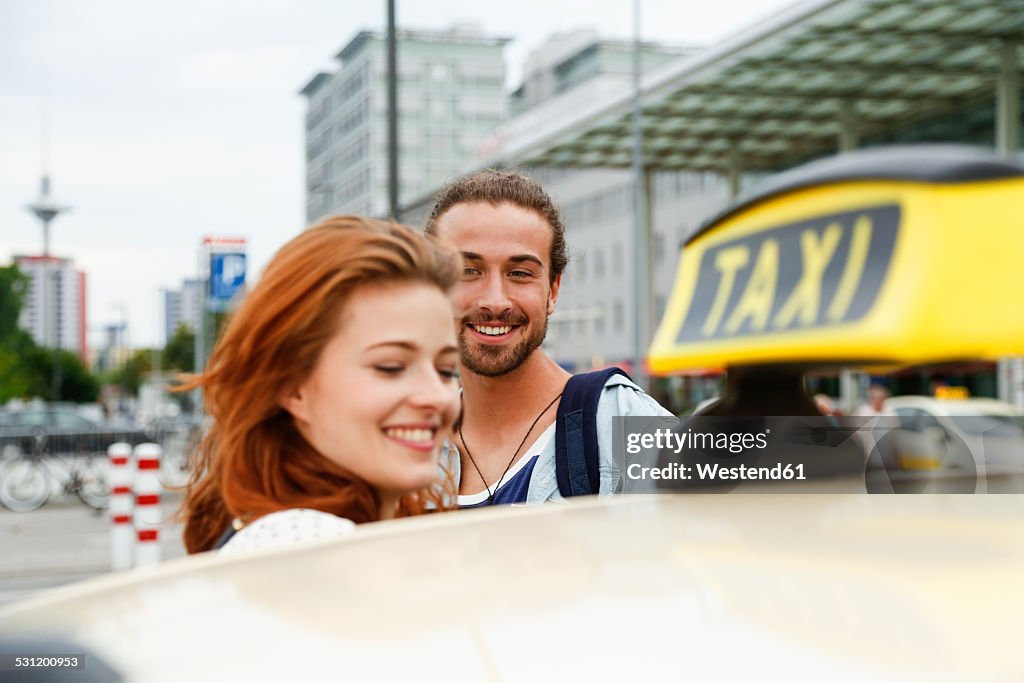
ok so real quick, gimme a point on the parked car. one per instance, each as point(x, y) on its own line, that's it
point(980, 435)
point(61, 430)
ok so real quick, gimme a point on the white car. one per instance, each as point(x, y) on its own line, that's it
point(769, 587)
point(979, 434)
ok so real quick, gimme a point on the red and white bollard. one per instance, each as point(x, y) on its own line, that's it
point(147, 504)
point(121, 532)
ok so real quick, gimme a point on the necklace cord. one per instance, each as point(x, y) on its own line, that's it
point(491, 495)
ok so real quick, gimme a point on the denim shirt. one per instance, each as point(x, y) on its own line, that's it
point(621, 398)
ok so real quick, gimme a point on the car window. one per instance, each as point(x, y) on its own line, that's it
point(910, 418)
point(29, 418)
point(66, 420)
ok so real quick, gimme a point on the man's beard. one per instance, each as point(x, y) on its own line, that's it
point(493, 361)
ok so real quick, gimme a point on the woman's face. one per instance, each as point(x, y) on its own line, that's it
point(383, 394)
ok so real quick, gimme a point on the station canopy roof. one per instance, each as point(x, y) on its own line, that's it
point(782, 90)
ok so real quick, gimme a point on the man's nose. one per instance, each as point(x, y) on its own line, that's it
point(494, 294)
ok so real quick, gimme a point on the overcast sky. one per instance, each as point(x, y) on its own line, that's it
point(170, 121)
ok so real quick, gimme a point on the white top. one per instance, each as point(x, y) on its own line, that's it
point(285, 527)
point(538, 445)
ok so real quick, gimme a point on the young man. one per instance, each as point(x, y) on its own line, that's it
point(513, 247)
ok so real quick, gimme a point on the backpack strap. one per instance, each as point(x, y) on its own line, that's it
point(225, 537)
point(576, 448)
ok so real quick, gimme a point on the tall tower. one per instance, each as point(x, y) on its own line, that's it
point(46, 209)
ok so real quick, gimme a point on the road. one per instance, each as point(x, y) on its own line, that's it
point(64, 541)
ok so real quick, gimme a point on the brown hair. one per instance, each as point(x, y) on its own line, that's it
point(505, 187)
point(253, 461)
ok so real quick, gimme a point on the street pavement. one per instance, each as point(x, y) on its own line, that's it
point(64, 541)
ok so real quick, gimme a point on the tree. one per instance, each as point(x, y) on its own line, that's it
point(15, 343)
point(77, 384)
point(16, 376)
point(130, 375)
point(26, 369)
point(180, 352)
point(13, 286)
point(20, 358)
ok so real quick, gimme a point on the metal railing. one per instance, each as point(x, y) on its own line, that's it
point(37, 463)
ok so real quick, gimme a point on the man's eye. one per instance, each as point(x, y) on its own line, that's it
point(470, 272)
point(521, 273)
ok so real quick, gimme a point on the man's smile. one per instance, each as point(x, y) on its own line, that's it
point(491, 333)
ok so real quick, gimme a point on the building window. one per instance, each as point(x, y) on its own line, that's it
point(599, 264)
point(618, 317)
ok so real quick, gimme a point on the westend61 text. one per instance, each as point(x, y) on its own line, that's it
point(716, 472)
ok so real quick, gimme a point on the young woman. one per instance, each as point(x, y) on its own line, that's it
point(332, 389)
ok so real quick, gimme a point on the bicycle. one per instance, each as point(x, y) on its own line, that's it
point(27, 479)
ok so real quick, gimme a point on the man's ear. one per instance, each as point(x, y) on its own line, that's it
point(553, 294)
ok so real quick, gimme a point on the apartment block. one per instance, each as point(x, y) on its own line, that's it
point(65, 297)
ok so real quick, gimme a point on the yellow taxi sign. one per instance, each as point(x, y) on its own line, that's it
point(881, 257)
point(952, 393)
point(798, 276)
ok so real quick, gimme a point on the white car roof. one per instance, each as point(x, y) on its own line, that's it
point(701, 587)
point(967, 406)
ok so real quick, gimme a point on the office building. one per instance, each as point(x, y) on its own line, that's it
point(182, 306)
point(568, 59)
point(450, 98)
point(113, 352)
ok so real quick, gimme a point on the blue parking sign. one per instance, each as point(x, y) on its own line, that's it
point(227, 276)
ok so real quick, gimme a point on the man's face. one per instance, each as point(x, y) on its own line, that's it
point(505, 296)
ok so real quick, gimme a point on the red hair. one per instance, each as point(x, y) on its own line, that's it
point(253, 461)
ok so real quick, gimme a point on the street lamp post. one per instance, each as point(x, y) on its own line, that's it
point(642, 282)
point(392, 49)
